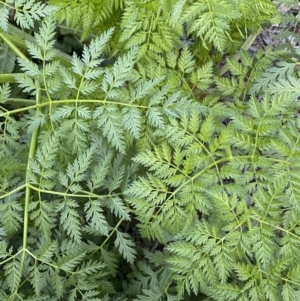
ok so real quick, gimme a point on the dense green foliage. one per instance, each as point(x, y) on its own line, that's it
point(158, 163)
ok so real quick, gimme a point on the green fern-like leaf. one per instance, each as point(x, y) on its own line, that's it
point(13, 273)
point(86, 15)
point(70, 218)
point(125, 246)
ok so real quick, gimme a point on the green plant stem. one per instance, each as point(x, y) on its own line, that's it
point(12, 44)
point(110, 235)
point(7, 78)
point(33, 145)
point(21, 101)
point(16, 38)
point(70, 101)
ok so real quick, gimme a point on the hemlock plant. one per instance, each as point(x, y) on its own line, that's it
point(170, 172)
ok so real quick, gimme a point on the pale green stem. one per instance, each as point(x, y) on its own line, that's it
point(21, 101)
point(33, 145)
point(8, 39)
point(16, 38)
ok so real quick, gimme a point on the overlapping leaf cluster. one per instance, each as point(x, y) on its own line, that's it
point(154, 178)
point(222, 198)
